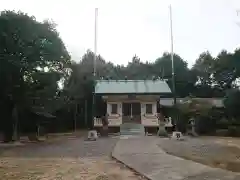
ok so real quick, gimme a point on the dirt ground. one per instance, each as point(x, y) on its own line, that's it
point(226, 141)
point(63, 168)
point(212, 151)
point(70, 159)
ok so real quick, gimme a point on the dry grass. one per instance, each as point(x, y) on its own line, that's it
point(15, 167)
point(78, 133)
point(63, 168)
point(228, 157)
point(226, 141)
point(51, 137)
point(229, 161)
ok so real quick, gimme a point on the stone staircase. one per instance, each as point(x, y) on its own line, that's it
point(132, 129)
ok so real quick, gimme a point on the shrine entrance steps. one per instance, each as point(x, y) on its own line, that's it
point(132, 129)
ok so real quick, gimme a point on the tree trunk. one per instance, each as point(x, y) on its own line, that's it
point(33, 137)
point(75, 117)
point(7, 120)
point(16, 136)
point(33, 126)
point(85, 114)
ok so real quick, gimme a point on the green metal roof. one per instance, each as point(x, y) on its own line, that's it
point(131, 86)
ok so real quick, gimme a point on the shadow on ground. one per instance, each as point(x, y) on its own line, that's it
point(68, 159)
point(73, 147)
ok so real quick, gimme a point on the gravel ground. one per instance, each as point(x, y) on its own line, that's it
point(206, 151)
point(67, 148)
point(68, 160)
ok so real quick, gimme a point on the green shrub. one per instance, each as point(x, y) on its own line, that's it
point(162, 132)
point(234, 131)
point(221, 132)
point(205, 125)
point(222, 123)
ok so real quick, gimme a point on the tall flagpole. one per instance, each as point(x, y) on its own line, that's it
point(172, 59)
point(94, 64)
point(238, 14)
point(95, 42)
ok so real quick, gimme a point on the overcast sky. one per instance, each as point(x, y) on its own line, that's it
point(141, 27)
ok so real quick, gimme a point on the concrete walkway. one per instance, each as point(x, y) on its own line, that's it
point(144, 156)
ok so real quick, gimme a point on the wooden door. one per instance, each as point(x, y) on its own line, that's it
point(136, 112)
point(126, 112)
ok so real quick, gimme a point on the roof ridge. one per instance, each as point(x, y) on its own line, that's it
point(132, 86)
point(130, 80)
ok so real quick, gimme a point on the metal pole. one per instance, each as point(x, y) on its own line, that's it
point(85, 113)
point(238, 13)
point(75, 118)
point(131, 111)
point(95, 42)
point(94, 65)
point(173, 73)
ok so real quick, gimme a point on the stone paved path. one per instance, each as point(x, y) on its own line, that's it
point(73, 159)
point(143, 155)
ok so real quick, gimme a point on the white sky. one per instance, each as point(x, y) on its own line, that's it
point(128, 27)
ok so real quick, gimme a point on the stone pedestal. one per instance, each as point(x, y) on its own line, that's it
point(169, 125)
point(104, 126)
point(92, 135)
point(104, 131)
point(191, 128)
point(161, 129)
point(177, 135)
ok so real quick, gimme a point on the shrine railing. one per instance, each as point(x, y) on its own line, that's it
point(111, 122)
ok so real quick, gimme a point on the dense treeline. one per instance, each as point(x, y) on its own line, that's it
point(40, 82)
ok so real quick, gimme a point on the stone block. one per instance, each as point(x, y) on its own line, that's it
point(177, 135)
point(92, 135)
